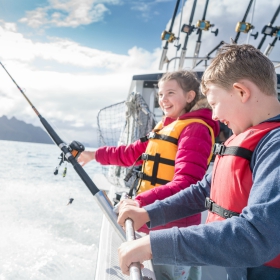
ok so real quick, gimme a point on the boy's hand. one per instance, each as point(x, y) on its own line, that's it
point(86, 157)
point(129, 201)
point(139, 216)
point(134, 251)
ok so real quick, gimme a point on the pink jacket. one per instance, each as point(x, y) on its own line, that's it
point(194, 146)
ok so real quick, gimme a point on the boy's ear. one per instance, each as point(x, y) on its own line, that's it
point(243, 90)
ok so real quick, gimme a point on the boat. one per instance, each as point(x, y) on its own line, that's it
point(127, 121)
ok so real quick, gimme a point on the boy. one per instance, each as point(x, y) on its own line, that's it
point(242, 232)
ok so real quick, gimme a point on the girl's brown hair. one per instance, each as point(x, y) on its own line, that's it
point(188, 81)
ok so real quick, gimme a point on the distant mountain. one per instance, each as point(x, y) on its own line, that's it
point(16, 130)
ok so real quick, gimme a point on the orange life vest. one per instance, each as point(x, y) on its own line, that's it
point(232, 177)
point(159, 158)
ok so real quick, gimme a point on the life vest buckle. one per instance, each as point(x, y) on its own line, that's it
point(209, 203)
point(151, 135)
point(219, 149)
point(140, 175)
point(144, 156)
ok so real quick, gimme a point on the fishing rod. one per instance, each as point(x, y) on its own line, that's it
point(270, 46)
point(202, 25)
point(188, 29)
point(169, 37)
point(243, 26)
point(208, 55)
point(70, 155)
point(269, 29)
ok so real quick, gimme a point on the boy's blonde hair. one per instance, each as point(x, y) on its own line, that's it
point(236, 62)
point(188, 81)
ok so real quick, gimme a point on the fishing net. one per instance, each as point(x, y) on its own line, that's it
point(122, 124)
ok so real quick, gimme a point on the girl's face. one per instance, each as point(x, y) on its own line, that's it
point(172, 98)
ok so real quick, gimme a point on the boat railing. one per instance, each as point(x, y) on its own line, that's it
point(135, 268)
point(204, 58)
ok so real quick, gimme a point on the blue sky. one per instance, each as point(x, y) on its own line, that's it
point(74, 57)
point(112, 25)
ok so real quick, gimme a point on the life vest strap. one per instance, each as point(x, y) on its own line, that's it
point(222, 150)
point(219, 210)
point(141, 175)
point(154, 135)
point(160, 160)
point(155, 169)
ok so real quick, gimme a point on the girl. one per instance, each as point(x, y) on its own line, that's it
point(173, 156)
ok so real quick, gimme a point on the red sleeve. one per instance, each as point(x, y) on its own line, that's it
point(194, 147)
point(121, 155)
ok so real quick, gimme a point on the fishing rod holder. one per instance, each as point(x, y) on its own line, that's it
point(168, 36)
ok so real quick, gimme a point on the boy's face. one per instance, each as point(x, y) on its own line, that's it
point(226, 107)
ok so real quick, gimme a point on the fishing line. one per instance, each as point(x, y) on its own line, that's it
point(179, 29)
point(252, 17)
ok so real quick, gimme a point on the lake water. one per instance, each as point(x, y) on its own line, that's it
point(41, 237)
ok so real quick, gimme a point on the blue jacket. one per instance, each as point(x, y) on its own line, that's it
point(240, 244)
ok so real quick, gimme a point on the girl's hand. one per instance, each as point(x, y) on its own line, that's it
point(86, 157)
point(134, 251)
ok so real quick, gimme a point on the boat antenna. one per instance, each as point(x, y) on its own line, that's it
point(269, 29)
point(243, 26)
point(169, 37)
point(71, 156)
point(188, 29)
point(202, 25)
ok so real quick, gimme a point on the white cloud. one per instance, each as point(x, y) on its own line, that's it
point(71, 13)
point(91, 79)
point(68, 99)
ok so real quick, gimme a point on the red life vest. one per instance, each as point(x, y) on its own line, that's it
point(232, 177)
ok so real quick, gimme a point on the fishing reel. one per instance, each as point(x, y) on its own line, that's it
point(186, 28)
point(245, 27)
point(168, 36)
point(205, 25)
point(271, 31)
point(75, 148)
point(277, 32)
